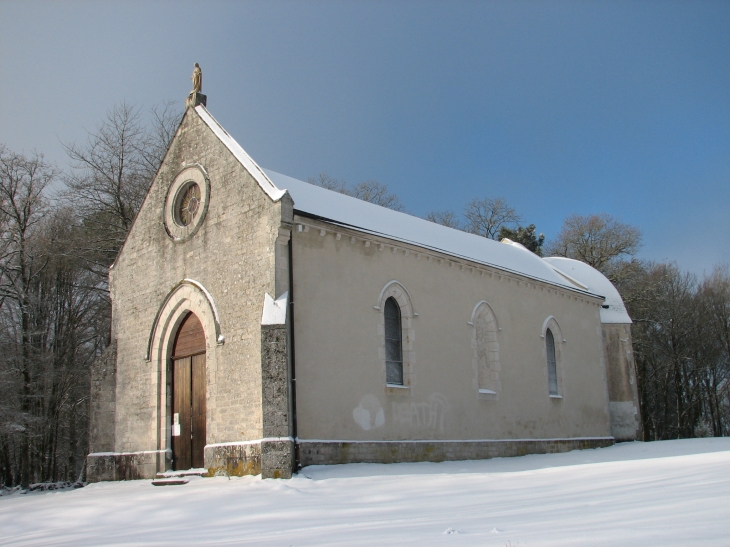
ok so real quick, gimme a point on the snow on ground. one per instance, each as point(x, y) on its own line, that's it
point(636, 494)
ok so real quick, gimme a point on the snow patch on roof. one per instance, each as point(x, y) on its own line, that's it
point(251, 166)
point(368, 217)
point(595, 282)
point(274, 310)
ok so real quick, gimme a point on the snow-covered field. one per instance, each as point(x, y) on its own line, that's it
point(642, 494)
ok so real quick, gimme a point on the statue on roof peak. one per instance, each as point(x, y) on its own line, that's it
point(197, 79)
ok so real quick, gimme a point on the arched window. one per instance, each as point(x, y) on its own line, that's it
point(393, 343)
point(486, 351)
point(551, 363)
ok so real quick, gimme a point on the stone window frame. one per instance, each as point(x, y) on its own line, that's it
point(192, 173)
point(185, 297)
point(552, 323)
point(399, 293)
point(486, 389)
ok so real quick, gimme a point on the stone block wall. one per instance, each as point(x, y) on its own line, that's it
point(277, 458)
point(233, 460)
point(277, 448)
point(324, 453)
point(275, 381)
point(102, 401)
point(107, 466)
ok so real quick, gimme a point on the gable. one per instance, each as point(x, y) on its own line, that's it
point(199, 144)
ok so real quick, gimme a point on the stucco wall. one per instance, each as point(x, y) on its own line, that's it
point(339, 358)
point(233, 257)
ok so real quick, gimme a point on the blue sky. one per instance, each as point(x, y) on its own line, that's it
point(560, 107)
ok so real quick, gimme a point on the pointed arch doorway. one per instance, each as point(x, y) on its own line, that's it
point(188, 395)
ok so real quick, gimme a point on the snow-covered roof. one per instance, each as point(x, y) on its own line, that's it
point(595, 282)
point(367, 217)
point(370, 218)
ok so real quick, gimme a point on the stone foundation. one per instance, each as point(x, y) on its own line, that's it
point(272, 458)
point(233, 460)
point(332, 452)
point(108, 466)
point(277, 459)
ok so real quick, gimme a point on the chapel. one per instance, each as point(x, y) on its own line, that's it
point(261, 324)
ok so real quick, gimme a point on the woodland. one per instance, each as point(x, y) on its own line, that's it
point(62, 228)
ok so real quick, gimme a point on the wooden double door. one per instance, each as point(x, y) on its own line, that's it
point(188, 395)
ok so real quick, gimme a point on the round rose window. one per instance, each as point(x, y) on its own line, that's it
point(188, 204)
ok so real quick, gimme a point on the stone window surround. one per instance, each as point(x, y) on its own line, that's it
point(190, 173)
point(400, 294)
point(483, 391)
point(552, 324)
point(187, 296)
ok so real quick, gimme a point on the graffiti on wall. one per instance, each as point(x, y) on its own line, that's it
point(428, 415)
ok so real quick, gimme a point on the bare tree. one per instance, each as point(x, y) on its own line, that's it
point(714, 305)
point(371, 191)
point(445, 218)
point(376, 192)
point(325, 181)
point(54, 306)
point(22, 208)
point(485, 217)
point(109, 178)
point(596, 240)
point(159, 134)
point(112, 171)
point(682, 358)
point(53, 323)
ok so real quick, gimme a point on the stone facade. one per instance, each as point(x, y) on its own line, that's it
point(221, 273)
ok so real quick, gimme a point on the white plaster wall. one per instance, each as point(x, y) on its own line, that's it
point(341, 393)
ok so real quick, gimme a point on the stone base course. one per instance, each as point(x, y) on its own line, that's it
point(122, 467)
point(333, 452)
point(274, 458)
point(233, 460)
point(277, 459)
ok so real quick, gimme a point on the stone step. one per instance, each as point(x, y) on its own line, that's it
point(202, 472)
point(170, 482)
